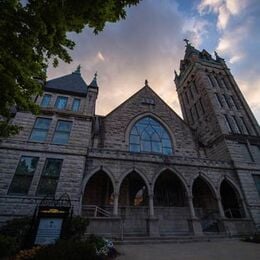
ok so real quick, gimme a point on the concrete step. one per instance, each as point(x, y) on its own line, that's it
point(170, 239)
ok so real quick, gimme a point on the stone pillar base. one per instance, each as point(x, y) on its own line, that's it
point(222, 226)
point(153, 226)
point(195, 226)
point(239, 226)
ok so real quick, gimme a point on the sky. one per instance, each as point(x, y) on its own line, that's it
point(148, 44)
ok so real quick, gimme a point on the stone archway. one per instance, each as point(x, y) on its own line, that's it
point(133, 191)
point(169, 190)
point(205, 205)
point(230, 200)
point(171, 204)
point(99, 193)
point(133, 203)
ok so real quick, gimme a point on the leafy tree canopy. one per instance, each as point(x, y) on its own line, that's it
point(35, 31)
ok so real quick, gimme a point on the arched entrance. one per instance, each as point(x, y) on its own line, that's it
point(133, 204)
point(230, 200)
point(98, 195)
point(170, 203)
point(205, 204)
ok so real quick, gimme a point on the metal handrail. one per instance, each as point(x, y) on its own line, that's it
point(234, 213)
point(97, 211)
point(209, 219)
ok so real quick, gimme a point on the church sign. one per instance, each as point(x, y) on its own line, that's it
point(50, 219)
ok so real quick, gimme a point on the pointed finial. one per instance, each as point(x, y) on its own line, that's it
point(78, 69)
point(218, 58)
point(94, 81)
point(146, 82)
point(187, 42)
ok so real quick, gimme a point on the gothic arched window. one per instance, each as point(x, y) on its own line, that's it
point(148, 135)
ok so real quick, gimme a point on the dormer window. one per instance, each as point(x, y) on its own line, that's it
point(46, 100)
point(75, 105)
point(61, 102)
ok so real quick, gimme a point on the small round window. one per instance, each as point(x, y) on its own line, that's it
point(148, 135)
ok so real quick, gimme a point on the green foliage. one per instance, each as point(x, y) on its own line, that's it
point(69, 250)
point(6, 129)
point(7, 246)
point(36, 32)
point(75, 228)
point(18, 230)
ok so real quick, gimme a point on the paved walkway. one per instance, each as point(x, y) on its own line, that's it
point(217, 250)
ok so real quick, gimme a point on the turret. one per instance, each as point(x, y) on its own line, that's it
point(92, 96)
point(211, 101)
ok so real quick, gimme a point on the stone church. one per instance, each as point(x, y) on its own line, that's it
point(141, 169)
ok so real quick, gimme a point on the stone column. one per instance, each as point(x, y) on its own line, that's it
point(220, 208)
point(192, 211)
point(115, 209)
point(245, 208)
point(194, 222)
point(151, 208)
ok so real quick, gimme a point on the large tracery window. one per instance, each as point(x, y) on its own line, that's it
point(148, 135)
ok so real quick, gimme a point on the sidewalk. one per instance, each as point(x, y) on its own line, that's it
point(217, 250)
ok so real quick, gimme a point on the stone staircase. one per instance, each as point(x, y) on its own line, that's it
point(136, 240)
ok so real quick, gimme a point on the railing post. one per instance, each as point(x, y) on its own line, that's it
point(95, 213)
point(231, 213)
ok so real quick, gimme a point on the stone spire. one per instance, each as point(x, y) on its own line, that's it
point(190, 50)
point(94, 82)
point(77, 71)
point(218, 58)
point(146, 83)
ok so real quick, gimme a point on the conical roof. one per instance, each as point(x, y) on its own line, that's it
point(93, 83)
point(72, 84)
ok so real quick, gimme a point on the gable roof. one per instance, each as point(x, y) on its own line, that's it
point(149, 89)
point(69, 84)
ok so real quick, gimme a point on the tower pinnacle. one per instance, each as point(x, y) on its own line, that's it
point(187, 42)
point(78, 69)
point(94, 81)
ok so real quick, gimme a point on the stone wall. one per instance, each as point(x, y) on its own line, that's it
point(118, 123)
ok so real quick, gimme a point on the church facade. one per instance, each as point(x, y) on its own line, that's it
point(141, 169)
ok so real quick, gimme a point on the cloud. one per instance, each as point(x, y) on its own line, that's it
point(195, 29)
point(224, 9)
point(100, 56)
point(147, 45)
point(239, 41)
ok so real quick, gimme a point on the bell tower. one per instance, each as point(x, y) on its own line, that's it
point(214, 107)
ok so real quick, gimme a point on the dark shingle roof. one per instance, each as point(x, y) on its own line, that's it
point(93, 83)
point(69, 84)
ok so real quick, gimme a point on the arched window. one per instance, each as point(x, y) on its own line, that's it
point(148, 135)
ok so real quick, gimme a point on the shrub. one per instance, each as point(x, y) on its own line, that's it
point(68, 250)
point(104, 247)
point(75, 227)
point(7, 246)
point(18, 230)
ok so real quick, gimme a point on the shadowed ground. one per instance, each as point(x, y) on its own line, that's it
point(219, 250)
